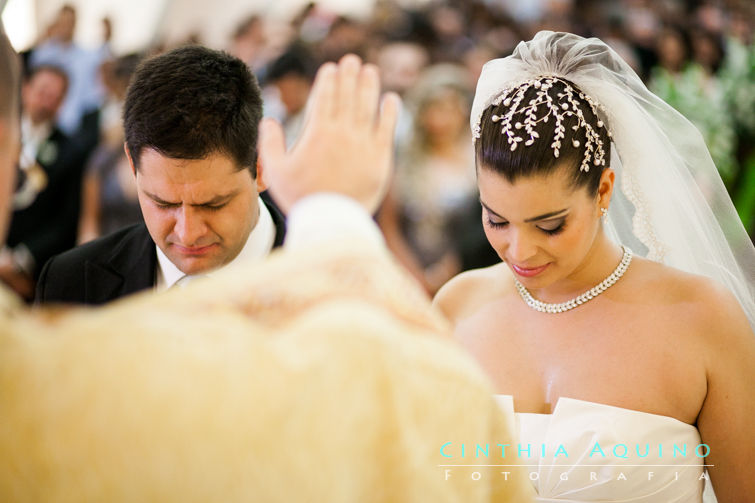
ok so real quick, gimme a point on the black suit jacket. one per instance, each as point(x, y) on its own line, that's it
point(49, 225)
point(112, 266)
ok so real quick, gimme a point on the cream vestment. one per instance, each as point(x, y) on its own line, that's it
point(318, 375)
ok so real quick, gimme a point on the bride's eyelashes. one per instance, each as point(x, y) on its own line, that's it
point(496, 225)
point(550, 228)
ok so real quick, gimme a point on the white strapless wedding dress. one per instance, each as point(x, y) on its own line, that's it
point(590, 452)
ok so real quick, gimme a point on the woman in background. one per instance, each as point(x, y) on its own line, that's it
point(109, 199)
point(430, 216)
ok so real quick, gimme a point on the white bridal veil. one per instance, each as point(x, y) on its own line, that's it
point(669, 202)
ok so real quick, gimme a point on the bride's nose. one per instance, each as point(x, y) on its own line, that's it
point(520, 248)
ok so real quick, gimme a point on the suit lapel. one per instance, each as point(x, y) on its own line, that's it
point(129, 269)
point(278, 219)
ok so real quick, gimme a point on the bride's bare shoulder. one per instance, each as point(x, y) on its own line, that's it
point(710, 305)
point(470, 289)
point(674, 284)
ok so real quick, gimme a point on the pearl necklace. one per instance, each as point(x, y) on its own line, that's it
point(593, 292)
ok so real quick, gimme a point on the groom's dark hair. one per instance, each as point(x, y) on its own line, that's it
point(192, 102)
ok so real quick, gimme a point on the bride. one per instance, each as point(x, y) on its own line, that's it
point(619, 325)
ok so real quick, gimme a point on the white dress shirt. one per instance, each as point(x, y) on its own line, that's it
point(32, 137)
point(257, 247)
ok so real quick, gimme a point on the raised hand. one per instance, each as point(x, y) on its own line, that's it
point(346, 145)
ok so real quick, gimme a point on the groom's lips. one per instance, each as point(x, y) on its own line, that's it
point(529, 272)
point(193, 250)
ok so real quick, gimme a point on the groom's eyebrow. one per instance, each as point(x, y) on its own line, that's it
point(218, 199)
point(551, 214)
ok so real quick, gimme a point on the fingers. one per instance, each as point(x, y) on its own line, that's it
point(389, 112)
point(349, 69)
point(368, 92)
point(271, 145)
point(346, 91)
point(323, 96)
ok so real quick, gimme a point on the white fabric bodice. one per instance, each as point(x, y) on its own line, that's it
point(565, 465)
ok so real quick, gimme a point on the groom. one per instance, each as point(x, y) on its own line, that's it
point(244, 387)
point(190, 118)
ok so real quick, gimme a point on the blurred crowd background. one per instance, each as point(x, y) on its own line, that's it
point(75, 183)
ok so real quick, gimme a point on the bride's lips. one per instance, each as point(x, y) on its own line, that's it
point(193, 250)
point(529, 272)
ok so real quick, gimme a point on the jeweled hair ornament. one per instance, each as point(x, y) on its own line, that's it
point(669, 203)
point(520, 120)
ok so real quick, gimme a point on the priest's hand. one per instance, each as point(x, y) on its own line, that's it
point(346, 146)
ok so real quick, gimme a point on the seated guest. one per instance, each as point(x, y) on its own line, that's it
point(291, 75)
point(190, 118)
point(51, 165)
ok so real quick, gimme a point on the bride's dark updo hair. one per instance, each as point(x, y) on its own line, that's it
point(584, 141)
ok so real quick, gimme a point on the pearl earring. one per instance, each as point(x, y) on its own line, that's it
point(604, 212)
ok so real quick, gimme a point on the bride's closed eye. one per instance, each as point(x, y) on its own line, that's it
point(496, 224)
point(552, 228)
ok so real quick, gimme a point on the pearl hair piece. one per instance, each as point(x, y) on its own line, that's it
point(544, 106)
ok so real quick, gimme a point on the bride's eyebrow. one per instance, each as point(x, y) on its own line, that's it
point(490, 211)
point(551, 214)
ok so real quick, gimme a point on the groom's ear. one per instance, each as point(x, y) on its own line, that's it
point(130, 160)
point(261, 185)
point(605, 187)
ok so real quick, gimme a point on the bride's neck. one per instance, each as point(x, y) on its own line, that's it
point(599, 262)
